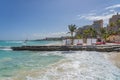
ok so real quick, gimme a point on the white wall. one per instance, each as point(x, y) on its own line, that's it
point(80, 41)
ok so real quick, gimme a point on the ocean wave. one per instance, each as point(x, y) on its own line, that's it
point(48, 53)
point(80, 66)
point(14, 41)
point(6, 59)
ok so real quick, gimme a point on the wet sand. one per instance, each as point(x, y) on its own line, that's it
point(114, 57)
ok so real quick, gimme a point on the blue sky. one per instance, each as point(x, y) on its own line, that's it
point(33, 19)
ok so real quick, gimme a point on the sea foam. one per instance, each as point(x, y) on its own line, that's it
point(5, 48)
point(80, 65)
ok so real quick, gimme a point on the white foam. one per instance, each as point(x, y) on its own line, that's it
point(48, 53)
point(14, 41)
point(81, 65)
point(5, 48)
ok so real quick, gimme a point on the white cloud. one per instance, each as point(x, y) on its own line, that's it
point(113, 6)
point(43, 35)
point(96, 17)
point(104, 14)
point(111, 10)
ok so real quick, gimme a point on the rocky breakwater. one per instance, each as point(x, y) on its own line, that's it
point(100, 48)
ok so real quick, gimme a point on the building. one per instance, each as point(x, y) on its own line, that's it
point(114, 18)
point(97, 25)
point(81, 29)
point(112, 22)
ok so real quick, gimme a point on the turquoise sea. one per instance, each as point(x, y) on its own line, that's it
point(53, 65)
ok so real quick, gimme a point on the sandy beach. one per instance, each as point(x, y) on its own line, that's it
point(114, 57)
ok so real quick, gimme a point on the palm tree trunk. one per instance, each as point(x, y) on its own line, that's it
point(85, 40)
point(78, 41)
point(72, 40)
point(91, 40)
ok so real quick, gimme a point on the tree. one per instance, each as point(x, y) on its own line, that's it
point(115, 24)
point(72, 29)
point(118, 32)
point(118, 22)
point(92, 33)
point(104, 33)
point(79, 37)
point(112, 24)
point(85, 35)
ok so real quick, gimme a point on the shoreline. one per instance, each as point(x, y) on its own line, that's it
point(114, 58)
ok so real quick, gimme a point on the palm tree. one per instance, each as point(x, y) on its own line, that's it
point(118, 32)
point(92, 33)
point(112, 24)
point(72, 29)
point(79, 37)
point(118, 23)
point(104, 33)
point(85, 35)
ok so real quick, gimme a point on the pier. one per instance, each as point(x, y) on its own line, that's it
point(99, 48)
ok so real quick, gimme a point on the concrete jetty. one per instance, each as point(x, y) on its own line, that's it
point(100, 48)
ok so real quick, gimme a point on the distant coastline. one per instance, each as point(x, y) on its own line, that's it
point(50, 39)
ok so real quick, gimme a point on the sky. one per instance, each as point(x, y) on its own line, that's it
point(35, 19)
